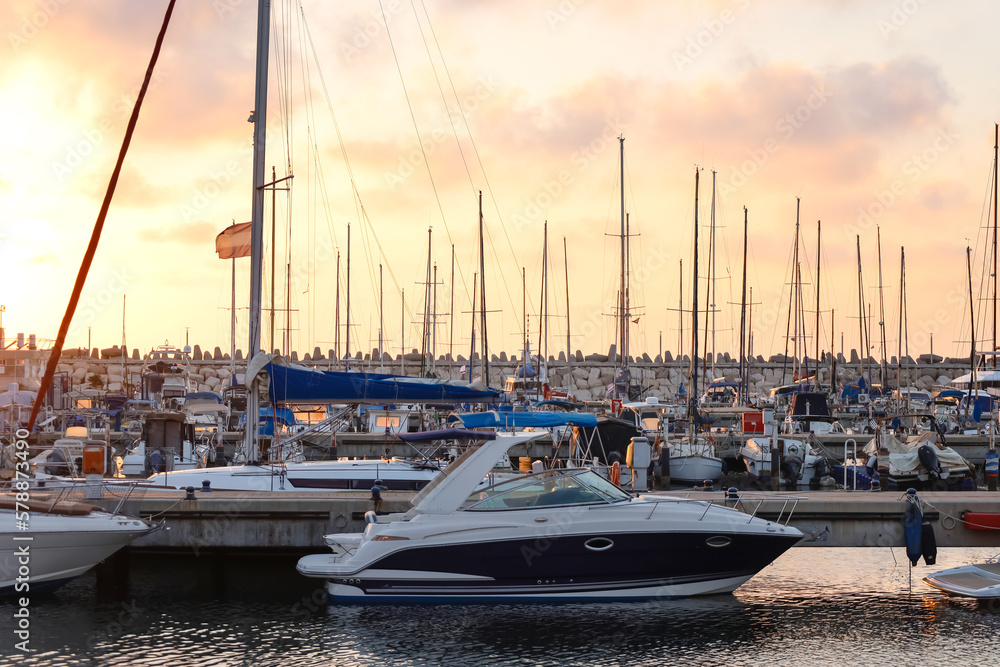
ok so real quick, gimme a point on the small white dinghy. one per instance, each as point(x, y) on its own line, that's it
point(979, 580)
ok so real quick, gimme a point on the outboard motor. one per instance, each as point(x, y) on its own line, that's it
point(821, 470)
point(929, 460)
point(792, 464)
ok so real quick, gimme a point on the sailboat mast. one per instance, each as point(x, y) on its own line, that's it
point(274, 244)
point(257, 222)
point(347, 313)
point(402, 332)
point(543, 331)
point(484, 362)
point(899, 356)
point(861, 312)
point(569, 358)
point(680, 311)
point(819, 246)
point(434, 323)
point(472, 335)
point(973, 395)
point(232, 327)
point(996, 144)
point(693, 401)
point(881, 305)
point(425, 337)
point(381, 318)
point(336, 313)
point(622, 327)
point(743, 314)
point(712, 259)
point(451, 316)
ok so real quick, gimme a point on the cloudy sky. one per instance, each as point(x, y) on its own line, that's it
point(878, 116)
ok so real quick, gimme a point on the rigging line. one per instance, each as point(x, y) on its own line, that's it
point(451, 119)
point(309, 190)
point(363, 218)
point(282, 87)
point(475, 148)
point(413, 118)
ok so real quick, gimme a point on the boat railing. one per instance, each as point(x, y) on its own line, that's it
point(749, 503)
point(113, 497)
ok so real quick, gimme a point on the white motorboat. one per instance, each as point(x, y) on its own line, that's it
point(336, 475)
point(799, 465)
point(340, 475)
point(923, 462)
point(49, 543)
point(978, 580)
point(561, 534)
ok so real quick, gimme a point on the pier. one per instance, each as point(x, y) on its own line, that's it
point(260, 521)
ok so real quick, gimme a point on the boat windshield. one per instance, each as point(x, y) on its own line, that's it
point(553, 487)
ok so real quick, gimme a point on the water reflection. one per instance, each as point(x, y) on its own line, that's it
point(810, 605)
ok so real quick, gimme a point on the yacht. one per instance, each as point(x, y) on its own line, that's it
point(559, 534)
point(64, 539)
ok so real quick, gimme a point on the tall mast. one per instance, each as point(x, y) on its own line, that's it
point(743, 313)
point(622, 315)
point(902, 297)
point(232, 328)
point(712, 259)
point(524, 316)
point(680, 311)
point(541, 305)
point(881, 305)
point(543, 348)
point(693, 401)
point(861, 312)
point(425, 339)
point(472, 335)
point(996, 142)
point(451, 316)
point(347, 309)
point(274, 244)
point(336, 312)
point(972, 328)
point(434, 323)
point(569, 359)
point(484, 361)
point(819, 246)
point(402, 331)
point(381, 318)
point(257, 222)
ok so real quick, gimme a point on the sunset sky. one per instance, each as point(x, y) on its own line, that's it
point(877, 115)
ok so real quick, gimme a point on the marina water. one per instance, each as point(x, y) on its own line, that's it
point(811, 606)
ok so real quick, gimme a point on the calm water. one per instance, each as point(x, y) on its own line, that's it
point(812, 606)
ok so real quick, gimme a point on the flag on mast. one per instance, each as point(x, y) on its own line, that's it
point(234, 241)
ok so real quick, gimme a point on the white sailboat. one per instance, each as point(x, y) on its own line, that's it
point(693, 459)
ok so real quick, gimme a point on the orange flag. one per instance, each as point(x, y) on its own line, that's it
point(234, 241)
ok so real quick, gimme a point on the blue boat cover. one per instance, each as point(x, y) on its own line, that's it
point(301, 385)
point(524, 419)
